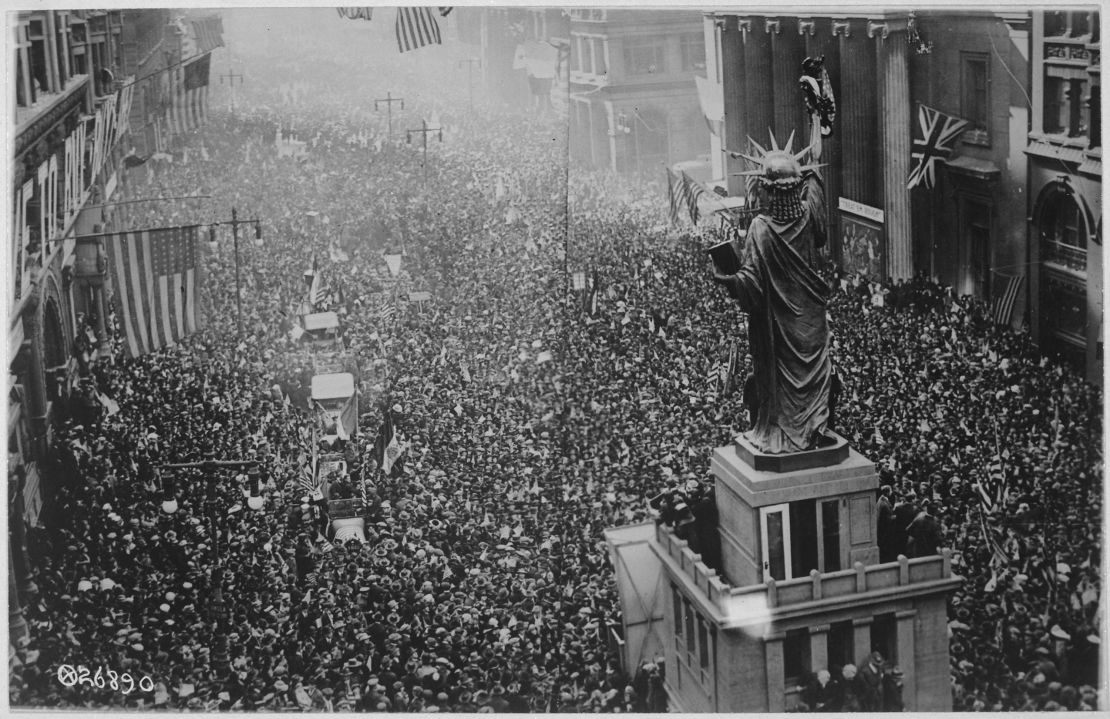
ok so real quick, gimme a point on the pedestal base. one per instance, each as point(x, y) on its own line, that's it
point(835, 452)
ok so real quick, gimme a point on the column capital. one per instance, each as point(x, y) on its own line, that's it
point(772, 24)
point(807, 26)
point(820, 629)
point(905, 614)
point(883, 27)
point(744, 24)
point(863, 621)
point(841, 26)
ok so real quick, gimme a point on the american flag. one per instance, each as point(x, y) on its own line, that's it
point(209, 33)
point(417, 27)
point(189, 109)
point(691, 191)
point(938, 131)
point(672, 196)
point(157, 282)
point(387, 312)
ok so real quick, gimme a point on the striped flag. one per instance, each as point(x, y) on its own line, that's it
point(387, 312)
point(417, 27)
point(673, 197)
point(691, 191)
point(157, 286)
point(209, 33)
point(1002, 309)
point(938, 131)
point(189, 109)
point(356, 13)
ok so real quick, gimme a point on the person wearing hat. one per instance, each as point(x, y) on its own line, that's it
point(892, 690)
point(869, 683)
point(924, 533)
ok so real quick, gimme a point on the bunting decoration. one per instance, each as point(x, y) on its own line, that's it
point(1002, 308)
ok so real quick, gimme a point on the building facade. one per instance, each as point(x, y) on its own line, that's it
point(1017, 200)
point(633, 102)
point(76, 76)
point(882, 68)
point(1064, 154)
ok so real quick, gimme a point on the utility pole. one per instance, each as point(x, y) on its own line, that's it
point(231, 78)
point(235, 222)
point(424, 130)
point(470, 63)
point(389, 100)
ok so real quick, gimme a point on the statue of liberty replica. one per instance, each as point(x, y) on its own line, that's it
point(779, 287)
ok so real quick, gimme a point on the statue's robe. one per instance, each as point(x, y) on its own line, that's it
point(786, 299)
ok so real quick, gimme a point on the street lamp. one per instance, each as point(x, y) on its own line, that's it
point(169, 501)
point(235, 222)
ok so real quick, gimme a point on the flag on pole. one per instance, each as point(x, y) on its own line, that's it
point(673, 197)
point(156, 279)
point(209, 33)
point(356, 13)
point(417, 27)
point(1002, 308)
point(189, 109)
point(938, 131)
point(691, 191)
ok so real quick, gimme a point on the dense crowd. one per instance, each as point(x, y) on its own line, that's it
point(535, 416)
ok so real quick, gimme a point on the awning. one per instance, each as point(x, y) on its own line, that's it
point(320, 321)
point(974, 168)
point(333, 386)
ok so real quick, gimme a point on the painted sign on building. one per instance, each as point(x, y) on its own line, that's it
point(861, 237)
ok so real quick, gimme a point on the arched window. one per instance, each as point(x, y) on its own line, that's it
point(1063, 232)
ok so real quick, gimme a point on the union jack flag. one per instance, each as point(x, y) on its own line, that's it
point(938, 131)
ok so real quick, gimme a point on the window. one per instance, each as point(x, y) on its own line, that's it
point(1064, 234)
point(795, 656)
point(644, 56)
point(1077, 24)
point(975, 97)
point(689, 612)
point(884, 637)
point(39, 69)
point(676, 600)
point(703, 645)
point(840, 647)
point(693, 51)
point(830, 535)
point(1067, 103)
point(601, 67)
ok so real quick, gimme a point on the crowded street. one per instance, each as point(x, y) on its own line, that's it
point(532, 412)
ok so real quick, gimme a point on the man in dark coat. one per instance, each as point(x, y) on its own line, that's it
point(924, 533)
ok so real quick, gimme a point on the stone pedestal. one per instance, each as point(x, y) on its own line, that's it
point(747, 480)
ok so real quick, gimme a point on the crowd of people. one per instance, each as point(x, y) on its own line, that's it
point(534, 414)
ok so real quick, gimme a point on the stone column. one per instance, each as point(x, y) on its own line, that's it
point(760, 97)
point(787, 53)
point(773, 665)
point(735, 87)
point(857, 114)
point(906, 648)
point(894, 97)
point(819, 647)
point(861, 639)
